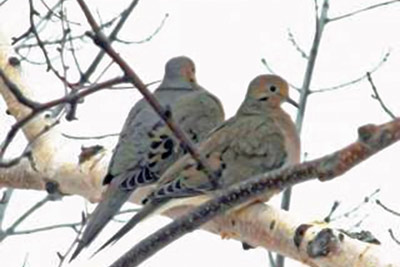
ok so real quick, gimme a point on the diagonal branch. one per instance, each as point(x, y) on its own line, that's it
point(372, 139)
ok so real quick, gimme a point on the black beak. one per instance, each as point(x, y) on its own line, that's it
point(291, 101)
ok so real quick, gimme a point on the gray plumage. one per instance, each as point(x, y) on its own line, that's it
point(146, 146)
point(259, 138)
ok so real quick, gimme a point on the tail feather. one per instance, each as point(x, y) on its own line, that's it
point(103, 213)
point(150, 208)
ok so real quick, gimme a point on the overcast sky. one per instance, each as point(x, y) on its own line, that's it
point(227, 40)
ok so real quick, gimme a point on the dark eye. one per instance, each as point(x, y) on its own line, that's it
point(273, 88)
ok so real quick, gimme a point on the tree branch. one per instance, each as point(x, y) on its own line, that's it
point(371, 139)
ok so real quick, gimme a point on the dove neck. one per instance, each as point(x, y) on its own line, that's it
point(173, 82)
point(255, 107)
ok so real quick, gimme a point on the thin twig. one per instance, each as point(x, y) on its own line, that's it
point(10, 230)
point(353, 13)
point(124, 16)
point(45, 106)
point(47, 228)
point(393, 237)
point(377, 97)
point(44, 19)
point(5, 200)
point(356, 208)
point(296, 45)
point(356, 80)
point(148, 38)
point(379, 203)
point(90, 137)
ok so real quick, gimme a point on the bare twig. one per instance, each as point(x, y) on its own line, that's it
point(395, 239)
point(148, 38)
point(379, 203)
point(333, 209)
point(356, 80)
point(44, 19)
point(296, 45)
point(33, 13)
point(47, 228)
point(377, 97)
point(371, 140)
point(90, 137)
point(5, 199)
point(11, 230)
point(42, 107)
point(353, 13)
point(353, 210)
point(124, 16)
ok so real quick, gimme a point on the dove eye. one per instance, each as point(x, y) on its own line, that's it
point(273, 88)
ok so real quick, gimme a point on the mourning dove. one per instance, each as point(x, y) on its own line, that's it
point(259, 138)
point(146, 146)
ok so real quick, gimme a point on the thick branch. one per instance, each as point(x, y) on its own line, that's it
point(371, 140)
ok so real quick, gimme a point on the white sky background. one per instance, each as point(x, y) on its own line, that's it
point(227, 39)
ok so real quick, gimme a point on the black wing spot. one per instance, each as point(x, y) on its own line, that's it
point(152, 164)
point(178, 184)
point(170, 188)
point(128, 184)
point(164, 136)
point(155, 144)
point(169, 144)
point(140, 177)
point(161, 192)
point(166, 154)
point(107, 179)
point(151, 155)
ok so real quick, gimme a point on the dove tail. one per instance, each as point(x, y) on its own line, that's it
point(147, 210)
point(103, 213)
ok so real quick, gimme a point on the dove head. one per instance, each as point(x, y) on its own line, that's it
point(267, 91)
point(179, 72)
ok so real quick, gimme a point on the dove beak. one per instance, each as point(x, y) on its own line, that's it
point(291, 101)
